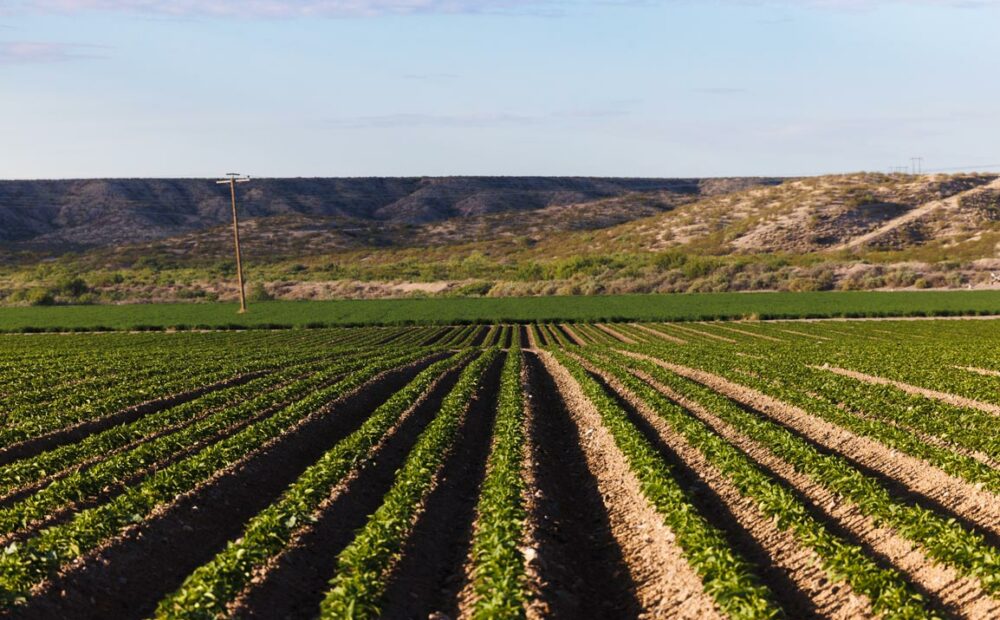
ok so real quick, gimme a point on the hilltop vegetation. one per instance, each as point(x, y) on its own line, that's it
point(501, 237)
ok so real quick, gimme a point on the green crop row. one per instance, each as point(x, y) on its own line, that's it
point(888, 591)
point(726, 576)
point(22, 565)
point(498, 577)
point(941, 537)
point(82, 485)
point(361, 567)
point(208, 590)
point(102, 444)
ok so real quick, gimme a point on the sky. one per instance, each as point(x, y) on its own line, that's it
point(644, 88)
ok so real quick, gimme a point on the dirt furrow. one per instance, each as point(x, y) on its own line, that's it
point(293, 584)
point(804, 334)
point(904, 474)
point(698, 332)
point(76, 432)
point(792, 571)
point(659, 334)
point(957, 595)
point(614, 333)
point(572, 335)
point(986, 372)
point(119, 581)
point(945, 397)
point(662, 583)
point(753, 334)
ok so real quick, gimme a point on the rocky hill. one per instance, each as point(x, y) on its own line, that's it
point(65, 215)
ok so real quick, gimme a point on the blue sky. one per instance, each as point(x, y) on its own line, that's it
point(92, 88)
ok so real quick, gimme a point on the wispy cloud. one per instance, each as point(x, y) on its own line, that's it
point(296, 8)
point(374, 8)
point(31, 52)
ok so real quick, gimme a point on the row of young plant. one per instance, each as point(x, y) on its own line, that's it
point(27, 563)
point(941, 537)
point(887, 414)
point(362, 568)
point(497, 564)
point(726, 576)
point(889, 592)
point(207, 592)
point(148, 428)
point(93, 482)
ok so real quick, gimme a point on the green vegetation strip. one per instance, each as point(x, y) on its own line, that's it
point(23, 565)
point(941, 537)
point(672, 307)
point(726, 576)
point(498, 578)
point(208, 590)
point(887, 589)
point(362, 566)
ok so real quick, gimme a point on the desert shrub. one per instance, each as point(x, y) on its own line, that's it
point(259, 293)
point(39, 297)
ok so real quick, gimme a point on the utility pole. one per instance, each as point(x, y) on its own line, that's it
point(917, 165)
point(234, 178)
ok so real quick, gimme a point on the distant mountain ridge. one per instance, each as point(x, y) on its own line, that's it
point(59, 215)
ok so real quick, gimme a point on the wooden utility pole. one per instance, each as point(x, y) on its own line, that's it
point(234, 178)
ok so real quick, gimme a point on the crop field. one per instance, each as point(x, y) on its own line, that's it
point(490, 310)
point(749, 469)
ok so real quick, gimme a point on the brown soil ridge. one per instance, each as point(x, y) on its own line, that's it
point(614, 333)
point(918, 479)
point(74, 433)
point(803, 334)
point(698, 332)
point(659, 334)
point(986, 372)
point(293, 583)
point(528, 336)
point(666, 584)
point(745, 333)
point(572, 335)
point(117, 580)
point(812, 592)
point(945, 397)
point(960, 596)
point(574, 565)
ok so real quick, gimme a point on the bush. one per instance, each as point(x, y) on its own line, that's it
point(259, 293)
point(39, 297)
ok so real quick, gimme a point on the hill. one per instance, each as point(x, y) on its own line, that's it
point(337, 238)
point(61, 215)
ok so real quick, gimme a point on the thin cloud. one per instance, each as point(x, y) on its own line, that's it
point(721, 90)
point(37, 52)
point(296, 8)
